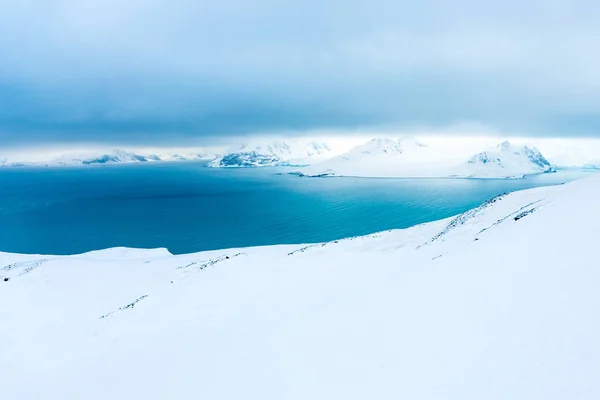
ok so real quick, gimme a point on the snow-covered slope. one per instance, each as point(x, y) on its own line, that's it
point(505, 161)
point(379, 157)
point(500, 302)
point(274, 153)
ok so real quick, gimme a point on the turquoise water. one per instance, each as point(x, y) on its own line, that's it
point(187, 207)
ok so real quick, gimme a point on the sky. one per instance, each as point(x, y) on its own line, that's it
point(158, 72)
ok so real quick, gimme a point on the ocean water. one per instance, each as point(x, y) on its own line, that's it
point(187, 207)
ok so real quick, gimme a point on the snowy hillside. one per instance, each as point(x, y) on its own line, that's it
point(505, 161)
point(497, 303)
point(274, 153)
point(380, 157)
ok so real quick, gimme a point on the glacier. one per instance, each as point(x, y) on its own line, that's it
point(496, 303)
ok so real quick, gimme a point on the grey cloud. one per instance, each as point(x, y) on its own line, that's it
point(159, 71)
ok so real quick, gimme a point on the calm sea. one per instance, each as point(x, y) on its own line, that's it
point(187, 207)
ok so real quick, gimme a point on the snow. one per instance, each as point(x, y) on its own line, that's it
point(275, 153)
point(440, 155)
point(497, 303)
point(410, 158)
point(380, 157)
point(505, 161)
point(116, 156)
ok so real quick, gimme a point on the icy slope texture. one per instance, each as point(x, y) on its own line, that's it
point(500, 302)
point(506, 161)
point(379, 157)
point(275, 153)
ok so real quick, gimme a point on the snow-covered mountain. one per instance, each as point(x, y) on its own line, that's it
point(505, 161)
point(496, 303)
point(375, 147)
point(274, 153)
point(116, 156)
point(408, 157)
point(379, 157)
point(113, 157)
point(247, 159)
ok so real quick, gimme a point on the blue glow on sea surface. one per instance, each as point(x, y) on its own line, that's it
point(187, 207)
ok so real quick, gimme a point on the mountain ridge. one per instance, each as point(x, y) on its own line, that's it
point(116, 156)
point(273, 153)
point(409, 158)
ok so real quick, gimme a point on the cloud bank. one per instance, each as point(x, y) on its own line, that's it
point(183, 71)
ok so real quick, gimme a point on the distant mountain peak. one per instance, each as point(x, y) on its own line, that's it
point(509, 160)
point(506, 145)
point(246, 159)
point(410, 141)
point(387, 146)
point(378, 146)
point(273, 153)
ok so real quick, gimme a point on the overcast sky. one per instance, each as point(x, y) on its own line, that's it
point(158, 71)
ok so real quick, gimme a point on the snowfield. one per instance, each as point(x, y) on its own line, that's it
point(500, 302)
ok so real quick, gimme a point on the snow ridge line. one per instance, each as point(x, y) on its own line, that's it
point(125, 307)
point(520, 214)
point(28, 266)
point(305, 248)
point(464, 218)
point(525, 213)
point(211, 262)
point(316, 245)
